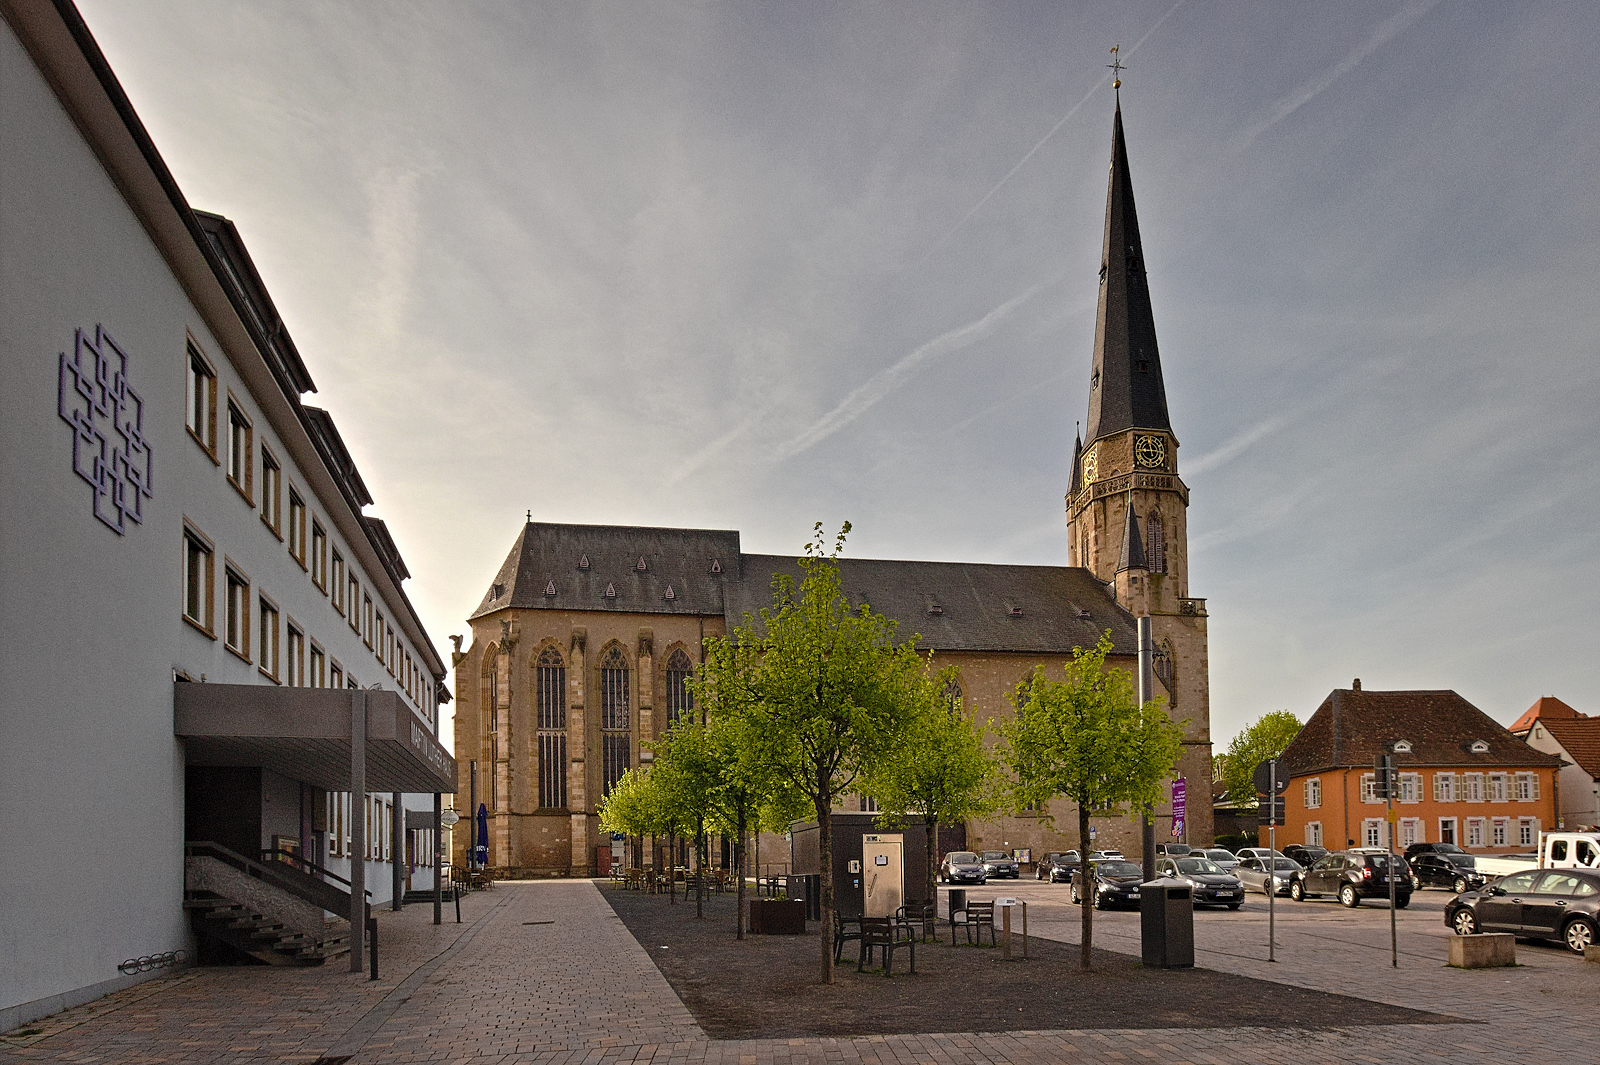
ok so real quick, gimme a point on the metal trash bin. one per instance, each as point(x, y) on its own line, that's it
point(958, 902)
point(809, 888)
point(1166, 920)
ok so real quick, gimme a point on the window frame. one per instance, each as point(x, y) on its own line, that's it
point(1312, 793)
point(366, 618)
point(297, 526)
point(235, 578)
point(319, 555)
point(271, 491)
point(241, 451)
point(201, 370)
point(294, 654)
point(336, 579)
point(197, 542)
point(335, 673)
point(316, 664)
point(269, 638)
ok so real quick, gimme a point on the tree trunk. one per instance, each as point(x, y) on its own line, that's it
point(1088, 892)
point(758, 854)
point(738, 867)
point(700, 874)
point(672, 876)
point(825, 850)
point(931, 826)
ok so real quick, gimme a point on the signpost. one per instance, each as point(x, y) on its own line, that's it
point(1270, 781)
point(1384, 781)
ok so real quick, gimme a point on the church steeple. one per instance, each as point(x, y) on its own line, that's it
point(1126, 390)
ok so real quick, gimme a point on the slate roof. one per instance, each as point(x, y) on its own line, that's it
point(1580, 738)
point(1132, 545)
point(681, 560)
point(1353, 727)
point(1545, 708)
point(1126, 390)
point(975, 603)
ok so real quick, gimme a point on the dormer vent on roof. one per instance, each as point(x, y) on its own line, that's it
point(669, 595)
point(1479, 747)
point(497, 591)
point(611, 591)
point(583, 563)
point(641, 566)
point(550, 588)
point(1015, 611)
point(716, 565)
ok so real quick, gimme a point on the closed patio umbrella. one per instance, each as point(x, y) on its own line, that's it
point(480, 852)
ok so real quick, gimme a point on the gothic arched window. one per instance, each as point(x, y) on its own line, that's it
point(1155, 544)
point(680, 700)
point(614, 722)
point(1164, 663)
point(550, 691)
point(952, 695)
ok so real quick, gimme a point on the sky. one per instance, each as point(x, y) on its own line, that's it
point(756, 265)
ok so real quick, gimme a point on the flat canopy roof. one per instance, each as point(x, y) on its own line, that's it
point(304, 734)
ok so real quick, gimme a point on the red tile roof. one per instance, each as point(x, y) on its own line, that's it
point(1353, 727)
point(1547, 708)
point(1580, 738)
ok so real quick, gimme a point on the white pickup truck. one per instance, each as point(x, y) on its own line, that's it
point(1557, 850)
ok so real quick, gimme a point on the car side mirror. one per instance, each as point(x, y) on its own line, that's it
point(1497, 891)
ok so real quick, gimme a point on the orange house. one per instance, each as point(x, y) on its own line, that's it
point(1463, 778)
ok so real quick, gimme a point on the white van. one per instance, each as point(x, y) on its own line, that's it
point(1557, 850)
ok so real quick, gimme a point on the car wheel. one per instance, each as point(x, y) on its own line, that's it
point(1348, 896)
point(1402, 901)
point(1296, 892)
point(1578, 935)
point(1464, 922)
point(1234, 905)
point(1074, 894)
point(1460, 885)
point(1100, 903)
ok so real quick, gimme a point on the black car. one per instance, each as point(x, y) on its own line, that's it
point(1454, 871)
point(1209, 884)
point(1056, 867)
point(1304, 853)
point(1432, 848)
point(962, 867)
point(1001, 866)
point(1559, 904)
point(1116, 884)
point(1354, 875)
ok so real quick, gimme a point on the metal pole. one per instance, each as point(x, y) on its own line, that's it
point(1147, 827)
point(438, 856)
point(1389, 780)
point(372, 934)
point(1272, 864)
point(397, 852)
point(358, 826)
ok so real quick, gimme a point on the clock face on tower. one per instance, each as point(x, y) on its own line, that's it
point(1089, 466)
point(1150, 452)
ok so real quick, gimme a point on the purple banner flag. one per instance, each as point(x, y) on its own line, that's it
point(1180, 807)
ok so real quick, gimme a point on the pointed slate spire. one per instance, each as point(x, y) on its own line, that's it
point(1132, 543)
point(1075, 477)
point(1125, 389)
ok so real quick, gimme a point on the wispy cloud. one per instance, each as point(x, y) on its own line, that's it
point(711, 450)
point(1074, 109)
point(887, 380)
point(1387, 30)
point(1232, 449)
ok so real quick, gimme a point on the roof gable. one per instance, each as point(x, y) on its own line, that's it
point(1545, 708)
point(1580, 738)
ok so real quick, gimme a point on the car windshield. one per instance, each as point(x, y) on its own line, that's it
point(961, 857)
point(1463, 860)
point(1381, 861)
point(1221, 856)
point(1288, 865)
point(989, 855)
point(1120, 869)
point(1448, 848)
point(1197, 865)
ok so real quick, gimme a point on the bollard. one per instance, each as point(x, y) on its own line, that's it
point(458, 904)
point(1005, 935)
point(372, 936)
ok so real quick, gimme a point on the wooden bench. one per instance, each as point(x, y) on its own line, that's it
point(886, 934)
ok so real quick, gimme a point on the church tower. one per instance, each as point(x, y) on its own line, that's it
point(1127, 506)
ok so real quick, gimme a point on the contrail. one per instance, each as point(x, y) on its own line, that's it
point(887, 380)
point(1042, 140)
point(1387, 30)
point(1232, 449)
point(705, 454)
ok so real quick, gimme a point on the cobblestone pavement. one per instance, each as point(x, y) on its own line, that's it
point(545, 973)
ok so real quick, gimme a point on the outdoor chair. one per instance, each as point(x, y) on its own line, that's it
point(885, 933)
point(976, 917)
point(844, 928)
point(924, 914)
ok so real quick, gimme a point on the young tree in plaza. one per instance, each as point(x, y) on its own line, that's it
point(1087, 739)
point(688, 774)
point(941, 768)
point(826, 694)
point(1267, 737)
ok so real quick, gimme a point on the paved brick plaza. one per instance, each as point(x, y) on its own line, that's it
point(498, 988)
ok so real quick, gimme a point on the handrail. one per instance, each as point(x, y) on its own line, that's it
point(309, 867)
point(285, 877)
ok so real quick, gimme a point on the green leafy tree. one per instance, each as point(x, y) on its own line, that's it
point(941, 768)
point(826, 700)
point(1086, 738)
point(689, 776)
point(1266, 738)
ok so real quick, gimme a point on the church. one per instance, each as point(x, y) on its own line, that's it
point(583, 643)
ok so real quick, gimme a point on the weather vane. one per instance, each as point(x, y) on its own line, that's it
point(1116, 66)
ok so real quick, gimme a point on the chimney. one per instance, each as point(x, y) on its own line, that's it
point(1355, 685)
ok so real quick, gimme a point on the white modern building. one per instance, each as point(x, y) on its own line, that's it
point(206, 641)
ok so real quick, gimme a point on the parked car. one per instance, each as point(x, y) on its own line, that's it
point(1252, 873)
point(1172, 850)
point(1305, 853)
point(1257, 852)
point(1354, 875)
point(1226, 860)
point(1559, 904)
point(1453, 871)
point(1106, 856)
point(1211, 886)
point(1057, 866)
point(1432, 848)
point(1001, 866)
point(1116, 884)
point(962, 867)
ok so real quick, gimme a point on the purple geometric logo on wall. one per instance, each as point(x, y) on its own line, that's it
point(109, 450)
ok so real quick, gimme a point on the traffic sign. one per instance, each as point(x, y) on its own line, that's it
point(1263, 777)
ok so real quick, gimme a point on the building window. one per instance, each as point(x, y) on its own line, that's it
point(199, 574)
point(1447, 830)
point(297, 527)
point(236, 629)
point(202, 402)
point(1474, 832)
point(953, 696)
point(1410, 787)
point(1472, 788)
point(550, 701)
point(1410, 831)
point(366, 618)
point(1527, 787)
point(335, 674)
point(1527, 831)
point(1498, 833)
point(267, 647)
point(1444, 789)
point(869, 805)
point(271, 492)
point(614, 723)
point(353, 597)
point(680, 700)
point(317, 674)
point(1313, 793)
point(1497, 787)
point(1156, 544)
point(1314, 834)
point(296, 664)
point(319, 555)
point(241, 444)
point(1372, 832)
point(338, 582)
point(1369, 788)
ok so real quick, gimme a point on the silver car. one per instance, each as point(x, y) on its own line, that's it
point(1252, 873)
point(1210, 885)
point(1225, 860)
